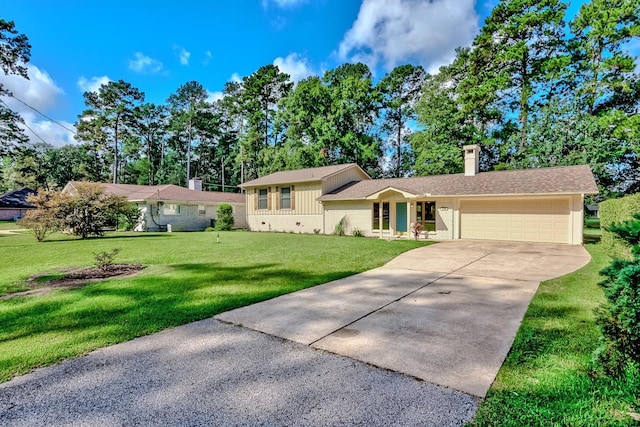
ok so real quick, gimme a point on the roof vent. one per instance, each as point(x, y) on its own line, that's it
point(195, 184)
point(471, 160)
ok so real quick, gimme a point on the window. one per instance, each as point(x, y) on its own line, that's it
point(426, 215)
point(385, 216)
point(285, 198)
point(202, 210)
point(171, 209)
point(263, 198)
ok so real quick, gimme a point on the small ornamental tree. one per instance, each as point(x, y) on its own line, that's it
point(90, 211)
point(225, 217)
point(619, 316)
point(48, 215)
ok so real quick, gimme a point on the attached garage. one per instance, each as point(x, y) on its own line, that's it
point(531, 220)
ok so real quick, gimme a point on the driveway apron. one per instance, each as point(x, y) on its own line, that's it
point(445, 313)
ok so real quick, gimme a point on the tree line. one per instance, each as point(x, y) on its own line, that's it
point(537, 88)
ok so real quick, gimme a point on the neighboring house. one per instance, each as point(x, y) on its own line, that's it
point(537, 205)
point(13, 204)
point(164, 207)
point(593, 211)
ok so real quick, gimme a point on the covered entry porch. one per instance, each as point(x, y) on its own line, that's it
point(395, 213)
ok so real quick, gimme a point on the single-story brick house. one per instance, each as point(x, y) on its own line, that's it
point(170, 207)
point(13, 204)
point(537, 205)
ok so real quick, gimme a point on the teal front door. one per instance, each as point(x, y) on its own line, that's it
point(401, 216)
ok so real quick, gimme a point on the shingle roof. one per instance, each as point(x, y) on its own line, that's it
point(169, 192)
point(556, 180)
point(300, 175)
point(16, 199)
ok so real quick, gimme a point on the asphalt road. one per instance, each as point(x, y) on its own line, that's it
point(212, 373)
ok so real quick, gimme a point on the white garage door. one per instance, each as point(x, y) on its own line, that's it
point(531, 220)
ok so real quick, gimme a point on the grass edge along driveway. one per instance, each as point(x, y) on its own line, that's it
point(188, 277)
point(545, 379)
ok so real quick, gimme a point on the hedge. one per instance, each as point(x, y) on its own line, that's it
point(616, 211)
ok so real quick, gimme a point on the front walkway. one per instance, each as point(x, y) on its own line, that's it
point(445, 313)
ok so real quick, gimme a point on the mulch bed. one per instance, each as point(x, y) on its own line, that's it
point(74, 278)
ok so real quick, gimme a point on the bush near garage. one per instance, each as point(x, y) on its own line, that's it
point(617, 211)
point(619, 317)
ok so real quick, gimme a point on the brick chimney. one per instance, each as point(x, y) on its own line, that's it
point(195, 184)
point(471, 160)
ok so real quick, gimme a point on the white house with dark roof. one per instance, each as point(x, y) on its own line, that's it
point(536, 205)
point(169, 206)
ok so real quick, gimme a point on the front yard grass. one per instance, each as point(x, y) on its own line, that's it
point(546, 379)
point(188, 276)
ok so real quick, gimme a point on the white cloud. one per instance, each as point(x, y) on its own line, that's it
point(235, 77)
point(145, 64)
point(52, 133)
point(92, 84)
point(41, 93)
point(295, 65)
point(183, 54)
point(214, 96)
point(207, 57)
point(392, 32)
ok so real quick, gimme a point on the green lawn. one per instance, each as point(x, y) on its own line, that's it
point(188, 277)
point(546, 380)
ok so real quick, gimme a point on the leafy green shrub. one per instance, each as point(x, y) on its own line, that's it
point(357, 232)
point(619, 316)
point(48, 216)
point(339, 229)
point(592, 222)
point(90, 210)
point(129, 217)
point(209, 229)
point(225, 217)
point(104, 259)
point(616, 211)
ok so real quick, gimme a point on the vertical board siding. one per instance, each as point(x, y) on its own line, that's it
point(304, 200)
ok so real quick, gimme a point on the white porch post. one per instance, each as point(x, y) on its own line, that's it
point(380, 217)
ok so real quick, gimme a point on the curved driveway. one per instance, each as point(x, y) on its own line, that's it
point(445, 313)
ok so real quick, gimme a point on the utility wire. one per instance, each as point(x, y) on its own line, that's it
point(41, 113)
point(25, 124)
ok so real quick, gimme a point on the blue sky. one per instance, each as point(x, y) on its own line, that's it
point(159, 45)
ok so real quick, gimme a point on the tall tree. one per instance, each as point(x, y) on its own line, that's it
point(15, 52)
point(447, 123)
point(401, 90)
point(304, 115)
point(601, 29)
point(262, 91)
point(150, 127)
point(349, 129)
point(109, 116)
point(517, 51)
point(187, 106)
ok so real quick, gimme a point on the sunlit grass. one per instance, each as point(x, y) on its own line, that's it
point(546, 379)
point(188, 276)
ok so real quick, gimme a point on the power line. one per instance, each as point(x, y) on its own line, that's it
point(41, 113)
point(25, 124)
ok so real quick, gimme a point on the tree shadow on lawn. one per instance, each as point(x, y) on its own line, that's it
point(117, 310)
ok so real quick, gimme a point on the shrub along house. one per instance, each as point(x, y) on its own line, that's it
point(170, 207)
point(536, 205)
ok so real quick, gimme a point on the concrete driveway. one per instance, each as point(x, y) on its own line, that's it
point(446, 313)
